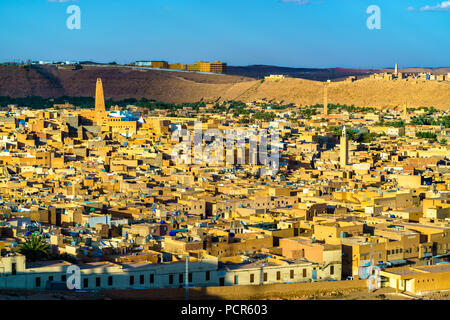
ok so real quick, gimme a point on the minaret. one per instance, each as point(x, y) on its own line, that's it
point(396, 69)
point(325, 100)
point(344, 148)
point(100, 111)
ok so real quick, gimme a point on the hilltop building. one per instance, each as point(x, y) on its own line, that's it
point(201, 66)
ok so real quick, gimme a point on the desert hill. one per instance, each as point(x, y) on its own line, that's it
point(176, 87)
point(365, 92)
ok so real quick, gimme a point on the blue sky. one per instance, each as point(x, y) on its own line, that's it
point(296, 33)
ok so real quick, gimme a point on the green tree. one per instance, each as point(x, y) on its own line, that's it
point(443, 142)
point(34, 248)
point(426, 135)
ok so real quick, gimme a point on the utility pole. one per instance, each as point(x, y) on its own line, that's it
point(186, 280)
point(371, 267)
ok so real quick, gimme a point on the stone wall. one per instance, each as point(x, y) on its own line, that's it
point(276, 291)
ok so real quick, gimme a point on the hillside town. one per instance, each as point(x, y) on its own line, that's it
point(347, 193)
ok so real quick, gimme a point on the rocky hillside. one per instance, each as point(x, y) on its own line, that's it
point(176, 87)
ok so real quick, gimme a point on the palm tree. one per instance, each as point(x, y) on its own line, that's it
point(34, 248)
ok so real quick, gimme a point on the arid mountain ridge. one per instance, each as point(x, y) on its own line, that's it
point(177, 87)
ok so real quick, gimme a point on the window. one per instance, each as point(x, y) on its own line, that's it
point(63, 277)
point(180, 278)
point(265, 276)
point(304, 273)
point(141, 279)
point(14, 269)
point(292, 274)
point(389, 252)
point(50, 278)
point(85, 282)
point(207, 275)
point(152, 278)
point(170, 278)
point(131, 280)
point(278, 275)
point(190, 276)
point(332, 270)
point(236, 280)
point(252, 278)
point(97, 282)
point(38, 282)
point(110, 281)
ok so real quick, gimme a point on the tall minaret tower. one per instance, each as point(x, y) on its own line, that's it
point(396, 69)
point(344, 148)
point(325, 100)
point(100, 110)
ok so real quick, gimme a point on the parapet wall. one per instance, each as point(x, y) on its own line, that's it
point(274, 291)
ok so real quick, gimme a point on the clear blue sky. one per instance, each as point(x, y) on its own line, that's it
point(320, 33)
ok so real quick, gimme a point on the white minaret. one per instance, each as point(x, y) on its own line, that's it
point(396, 68)
point(344, 149)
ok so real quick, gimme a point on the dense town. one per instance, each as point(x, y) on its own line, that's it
point(358, 193)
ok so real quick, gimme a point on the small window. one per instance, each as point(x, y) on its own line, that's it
point(278, 275)
point(236, 280)
point(131, 280)
point(97, 282)
point(14, 269)
point(170, 278)
point(265, 276)
point(304, 273)
point(50, 278)
point(85, 282)
point(180, 278)
point(152, 278)
point(38, 282)
point(190, 276)
point(141, 279)
point(110, 281)
point(207, 275)
point(292, 274)
point(252, 278)
point(332, 270)
point(63, 277)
